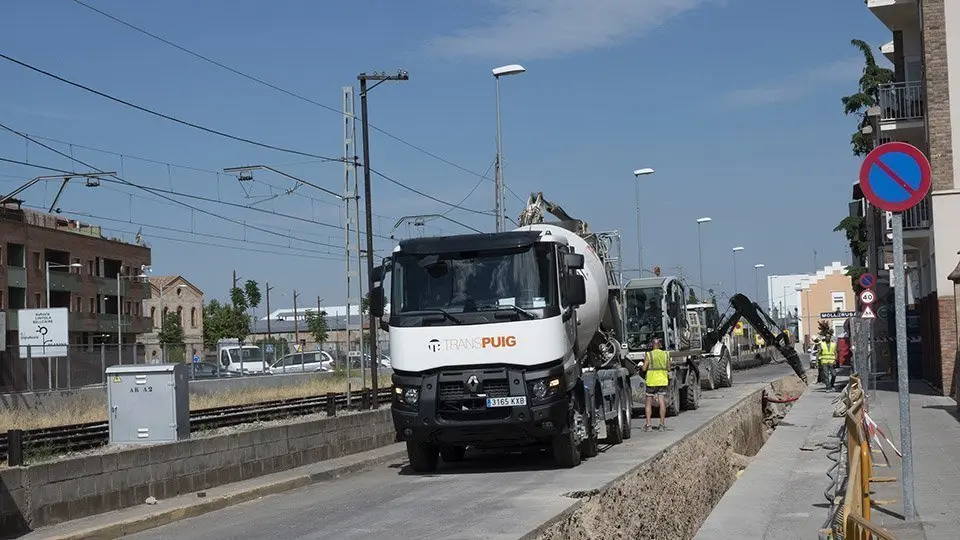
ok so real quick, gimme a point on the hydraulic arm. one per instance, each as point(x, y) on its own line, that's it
point(762, 323)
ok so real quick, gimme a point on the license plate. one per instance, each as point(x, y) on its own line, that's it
point(513, 401)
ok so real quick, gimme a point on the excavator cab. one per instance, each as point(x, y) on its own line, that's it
point(655, 307)
point(702, 318)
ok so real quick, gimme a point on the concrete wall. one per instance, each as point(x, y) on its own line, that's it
point(49, 493)
point(44, 402)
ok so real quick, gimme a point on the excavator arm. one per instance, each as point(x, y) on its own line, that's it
point(763, 324)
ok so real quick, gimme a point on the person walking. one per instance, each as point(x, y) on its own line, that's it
point(656, 365)
point(828, 360)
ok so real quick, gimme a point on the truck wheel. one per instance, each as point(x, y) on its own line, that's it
point(615, 426)
point(452, 454)
point(691, 394)
point(627, 412)
point(590, 447)
point(673, 400)
point(423, 456)
point(566, 452)
point(722, 373)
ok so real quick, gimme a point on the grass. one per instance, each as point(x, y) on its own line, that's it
point(93, 408)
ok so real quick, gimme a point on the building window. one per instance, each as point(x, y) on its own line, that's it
point(77, 304)
point(126, 308)
point(37, 300)
point(153, 316)
point(193, 317)
point(838, 300)
point(90, 270)
point(16, 255)
point(1, 301)
point(37, 263)
point(93, 305)
point(180, 315)
point(78, 268)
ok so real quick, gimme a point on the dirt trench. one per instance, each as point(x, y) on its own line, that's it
point(670, 496)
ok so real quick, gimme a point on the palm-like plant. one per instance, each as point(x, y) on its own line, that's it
point(867, 96)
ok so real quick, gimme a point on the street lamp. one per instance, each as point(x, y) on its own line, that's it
point(502, 71)
point(637, 174)
point(735, 250)
point(803, 312)
point(756, 280)
point(700, 222)
point(141, 275)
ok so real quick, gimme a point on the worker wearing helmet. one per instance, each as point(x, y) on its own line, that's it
point(656, 366)
point(828, 360)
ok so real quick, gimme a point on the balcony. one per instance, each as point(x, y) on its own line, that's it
point(896, 14)
point(65, 281)
point(93, 322)
point(901, 101)
point(917, 218)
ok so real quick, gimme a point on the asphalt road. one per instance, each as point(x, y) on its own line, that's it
point(488, 496)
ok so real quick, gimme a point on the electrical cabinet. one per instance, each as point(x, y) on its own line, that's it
point(148, 403)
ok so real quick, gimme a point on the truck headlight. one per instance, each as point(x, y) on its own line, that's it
point(539, 390)
point(544, 388)
point(411, 396)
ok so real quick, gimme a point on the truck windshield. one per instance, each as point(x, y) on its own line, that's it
point(466, 282)
point(644, 316)
point(252, 354)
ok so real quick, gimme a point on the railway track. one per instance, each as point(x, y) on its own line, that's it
point(77, 437)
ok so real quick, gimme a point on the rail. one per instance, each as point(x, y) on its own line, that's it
point(901, 101)
point(79, 437)
point(849, 516)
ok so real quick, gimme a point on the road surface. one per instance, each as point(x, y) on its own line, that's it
point(489, 497)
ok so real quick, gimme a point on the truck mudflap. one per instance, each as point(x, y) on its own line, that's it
point(486, 407)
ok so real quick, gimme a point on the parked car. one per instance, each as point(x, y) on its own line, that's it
point(305, 362)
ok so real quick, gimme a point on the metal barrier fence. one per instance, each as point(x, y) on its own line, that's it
point(31, 369)
point(849, 515)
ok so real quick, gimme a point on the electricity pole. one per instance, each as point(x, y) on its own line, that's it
point(368, 205)
point(269, 335)
point(296, 324)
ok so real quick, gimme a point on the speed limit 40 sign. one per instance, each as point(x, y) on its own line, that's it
point(867, 296)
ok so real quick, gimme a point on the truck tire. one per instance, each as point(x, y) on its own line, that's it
point(722, 373)
point(566, 452)
point(423, 456)
point(690, 396)
point(452, 454)
point(627, 411)
point(673, 399)
point(615, 426)
point(590, 447)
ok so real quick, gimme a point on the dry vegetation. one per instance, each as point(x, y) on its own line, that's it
point(87, 408)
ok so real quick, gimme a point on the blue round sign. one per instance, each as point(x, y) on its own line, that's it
point(867, 280)
point(196, 359)
point(895, 176)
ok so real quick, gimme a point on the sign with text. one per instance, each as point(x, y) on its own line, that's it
point(45, 331)
point(837, 314)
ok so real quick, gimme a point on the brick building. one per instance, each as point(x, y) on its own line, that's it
point(83, 266)
point(916, 108)
point(174, 294)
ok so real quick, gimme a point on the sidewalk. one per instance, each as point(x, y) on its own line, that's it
point(780, 494)
point(784, 484)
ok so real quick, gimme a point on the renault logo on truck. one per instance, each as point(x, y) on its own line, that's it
point(467, 344)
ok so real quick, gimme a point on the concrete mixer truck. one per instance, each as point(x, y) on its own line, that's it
point(506, 340)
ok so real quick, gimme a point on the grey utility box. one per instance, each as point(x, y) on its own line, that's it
point(148, 403)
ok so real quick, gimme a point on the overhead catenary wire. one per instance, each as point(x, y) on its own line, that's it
point(289, 93)
point(169, 117)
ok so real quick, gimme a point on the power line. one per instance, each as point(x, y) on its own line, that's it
point(470, 193)
point(290, 93)
point(168, 117)
point(81, 162)
point(431, 197)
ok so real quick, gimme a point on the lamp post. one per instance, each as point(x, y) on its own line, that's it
point(120, 312)
point(735, 250)
point(700, 222)
point(502, 71)
point(49, 362)
point(637, 174)
point(756, 280)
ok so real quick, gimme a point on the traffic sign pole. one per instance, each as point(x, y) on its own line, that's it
point(903, 380)
point(896, 177)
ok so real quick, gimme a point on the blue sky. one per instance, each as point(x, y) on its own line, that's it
point(735, 103)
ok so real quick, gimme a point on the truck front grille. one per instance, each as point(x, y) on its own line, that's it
point(454, 391)
point(456, 403)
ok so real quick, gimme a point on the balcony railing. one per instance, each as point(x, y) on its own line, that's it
point(915, 218)
point(901, 101)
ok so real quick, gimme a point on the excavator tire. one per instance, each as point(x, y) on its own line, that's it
point(707, 365)
point(691, 394)
point(722, 372)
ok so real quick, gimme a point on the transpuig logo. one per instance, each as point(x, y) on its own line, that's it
point(468, 344)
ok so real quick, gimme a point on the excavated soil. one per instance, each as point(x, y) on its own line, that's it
point(670, 496)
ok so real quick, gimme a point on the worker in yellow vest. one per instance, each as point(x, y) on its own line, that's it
point(656, 365)
point(828, 360)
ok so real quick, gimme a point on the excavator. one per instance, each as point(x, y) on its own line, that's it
point(762, 323)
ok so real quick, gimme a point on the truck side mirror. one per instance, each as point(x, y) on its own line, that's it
point(379, 272)
point(376, 301)
point(576, 290)
point(573, 261)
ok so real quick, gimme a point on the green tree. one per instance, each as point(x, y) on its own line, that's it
point(317, 326)
point(171, 338)
point(251, 291)
point(692, 298)
point(223, 321)
point(866, 96)
point(824, 329)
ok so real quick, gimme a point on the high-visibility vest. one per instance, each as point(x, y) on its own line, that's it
point(657, 363)
point(828, 353)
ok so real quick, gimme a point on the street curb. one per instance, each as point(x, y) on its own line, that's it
point(205, 506)
point(543, 527)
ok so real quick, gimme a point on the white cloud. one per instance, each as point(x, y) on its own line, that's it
point(533, 29)
point(796, 86)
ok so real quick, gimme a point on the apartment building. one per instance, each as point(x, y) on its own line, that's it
point(83, 266)
point(827, 291)
point(173, 294)
point(916, 109)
